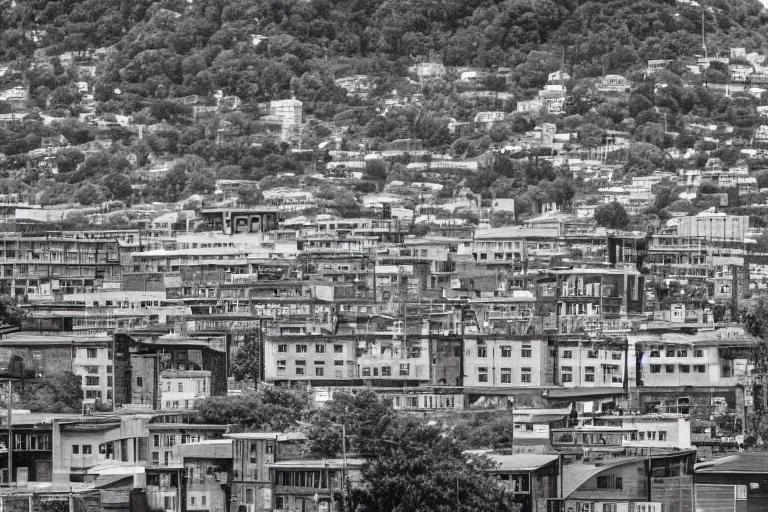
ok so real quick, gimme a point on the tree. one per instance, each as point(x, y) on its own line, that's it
point(360, 414)
point(250, 195)
point(421, 467)
point(376, 170)
point(54, 393)
point(643, 159)
point(118, 185)
point(612, 216)
point(88, 195)
point(68, 160)
point(270, 408)
point(754, 319)
point(247, 362)
point(10, 312)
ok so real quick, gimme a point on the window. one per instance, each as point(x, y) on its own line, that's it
point(192, 501)
point(506, 375)
point(651, 435)
point(685, 368)
point(592, 354)
point(526, 352)
point(655, 368)
point(699, 368)
point(181, 387)
point(619, 483)
point(282, 348)
point(589, 374)
point(386, 371)
point(204, 500)
point(91, 353)
point(338, 349)
point(610, 507)
point(75, 449)
point(482, 374)
point(698, 353)
point(567, 354)
point(109, 368)
point(602, 482)
point(567, 373)
point(281, 364)
point(91, 381)
point(319, 348)
point(301, 349)
point(156, 440)
point(506, 351)
point(482, 352)
point(366, 371)
point(662, 435)
point(670, 352)
point(300, 367)
point(405, 369)
point(669, 368)
point(682, 353)
point(87, 449)
point(279, 502)
point(616, 356)
point(525, 375)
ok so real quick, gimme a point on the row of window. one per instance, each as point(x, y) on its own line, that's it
point(651, 435)
point(85, 449)
point(303, 348)
point(671, 352)
point(24, 442)
point(506, 351)
point(94, 370)
point(201, 386)
point(175, 404)
point(506, 375)
point(95, 381)
point(592, 354)
point(683, 368)
point(203, 501)
point(174, 439)
point(366, 371)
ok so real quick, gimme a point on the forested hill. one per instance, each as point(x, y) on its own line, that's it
point(183, 47)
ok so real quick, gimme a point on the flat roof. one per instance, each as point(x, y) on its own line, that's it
point(747, 462)
point(280, 436)
point(318, 464)
point(521, 461)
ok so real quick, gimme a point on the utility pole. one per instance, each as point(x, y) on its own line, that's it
point(703, 40)
point(10, 433)
point(344, 470)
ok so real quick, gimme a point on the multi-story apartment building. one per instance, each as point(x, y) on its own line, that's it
point(180, 389)
point(167, 435)
point(41, 268)
point(253, 454)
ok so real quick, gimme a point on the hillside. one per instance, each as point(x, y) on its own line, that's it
point(161, 62)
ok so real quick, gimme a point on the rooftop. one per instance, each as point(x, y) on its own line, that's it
point(279, 436)
point(747, 462)
point(522, 462)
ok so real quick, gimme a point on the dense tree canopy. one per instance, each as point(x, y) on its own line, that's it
point(612, 216)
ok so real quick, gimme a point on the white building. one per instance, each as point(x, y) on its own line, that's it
point(94, 365)
point(180, 389)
